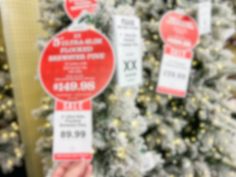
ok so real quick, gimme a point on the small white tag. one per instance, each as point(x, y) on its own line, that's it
point(128, 47)
point(72, 131)
point(175, 72)
point(205, 16)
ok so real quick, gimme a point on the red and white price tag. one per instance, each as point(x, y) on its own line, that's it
point(179, 30)
point(74, 8)
point(180, 34)
point(175, 71)
point(72, 131)
point(77, 65)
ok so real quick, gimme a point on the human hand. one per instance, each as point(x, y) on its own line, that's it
point(83, 168)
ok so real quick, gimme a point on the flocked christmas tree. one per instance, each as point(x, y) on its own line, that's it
point(195, 136)
point(11, 149)
point(119, 148)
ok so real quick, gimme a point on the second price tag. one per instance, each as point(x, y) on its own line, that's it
point(127, 42)
point(72, 131)
point(175, 71)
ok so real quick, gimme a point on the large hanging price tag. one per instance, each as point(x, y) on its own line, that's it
point(175, 70)
point(72, 131)
point(76, 65)
point(127, 43)
point(74, 8)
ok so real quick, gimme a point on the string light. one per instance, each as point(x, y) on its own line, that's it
point(46, 107)
point(162, 131)
point(184, 113)
point(18, 152)
point(141, 90)
point(9, 103)
point(5, 67)
point(112, 98)
point(2, 50)
point(156, 64)
point(3, 107)
point(48, 125)
point(149, 139)
point(51, 22)
point(149, 115)
point(203, 131)
point(174, 109)
point(155, 37)
point(220, 67)
point(13, 135)
point(193, 139)
point(9, 163)
point(194, 99)
point(123, 134)
point(177, 141)
point(121, 153)
point(147, 42)
point(158, 141)
point(129, 93)
point(170, 97)
point(116, 123)
point(158, 98)
point(157, 121)
point(15, 126)
point(194, 63)
point(135, 124)
point(5, 136)
point(229, 88)
point(151, 88)
point(218, 23)
point(205, 99)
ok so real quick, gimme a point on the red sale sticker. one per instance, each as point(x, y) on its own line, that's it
point(179, 30)
point(77, 65)
point(74, 8)
point(175, 72)
point(72, 137)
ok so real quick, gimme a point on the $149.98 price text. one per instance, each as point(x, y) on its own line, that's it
point(74, 86)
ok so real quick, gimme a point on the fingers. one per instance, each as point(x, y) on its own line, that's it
point(82, 168)
point(66, 165)
point(77, 169)
point(61, 169)
point(88, 172)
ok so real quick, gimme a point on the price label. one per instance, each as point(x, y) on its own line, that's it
point(72, 131)
point(205, 16)
point(179, 30)
point(175, 71)
point(74, 8)
point(76, 65)
point(127, 42)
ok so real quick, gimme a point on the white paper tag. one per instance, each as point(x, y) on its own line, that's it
point(175, 72)
point(72, 131)
point(128, 47)
point(205, 16)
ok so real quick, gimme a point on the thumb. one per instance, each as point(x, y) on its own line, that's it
point(77, 170)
